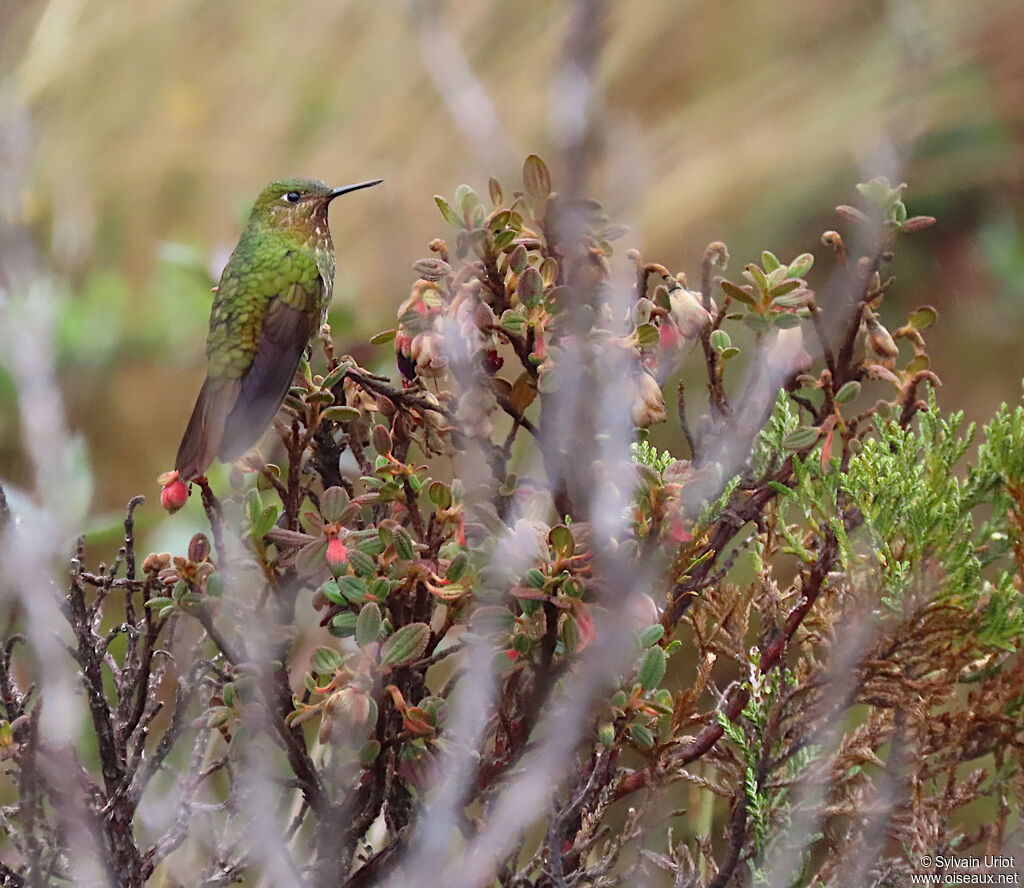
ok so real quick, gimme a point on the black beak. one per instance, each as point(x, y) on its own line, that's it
point(337, 192)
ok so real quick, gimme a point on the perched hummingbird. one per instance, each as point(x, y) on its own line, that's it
point(272, 298)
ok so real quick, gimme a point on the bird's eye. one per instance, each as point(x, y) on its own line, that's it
point(292, 197)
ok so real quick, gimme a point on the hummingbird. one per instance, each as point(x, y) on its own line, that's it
point(271, 299)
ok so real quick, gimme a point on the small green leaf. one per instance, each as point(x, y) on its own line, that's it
point(757, 277)
point(332, 593)
point(653, 669)
point(647, 335)
point(923, 317)
point(333, 503)
point(336, 375)
point(403, 545)
point(641, 736)
point(440, 495)
point(727, 353)
point(800, 439)
point(378, 589)
point(363, 565)
point(534, 578)
point(562, 541)
point(757, 323)
point(787, 286)
point(326, 661)
point(384, 336)
point(769, 261)
point(504, 238)
point(848, 392)
point(801, 265)
point(312, 557)
point(784, 320)
point(536, 178)
point(530, 287)
point(720, 340)
point(513, 322)
point(352, 588)
point(264, 522)
point(466, 198)
point(343, 624)
point(431, 268)
point(457, 568)
point(517, 259)
point(372, 547)
point(450, 216)
point(368, 624)
point(339, 414)
point(494, 191)
point(796, 299)
point(651, 635)
point(406, 645)
point(918, 363)
point(497, 221)
point(737, 293)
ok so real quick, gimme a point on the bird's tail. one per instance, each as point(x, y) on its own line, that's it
point(205, 430)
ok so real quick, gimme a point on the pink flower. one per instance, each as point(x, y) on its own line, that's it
point(337, 553)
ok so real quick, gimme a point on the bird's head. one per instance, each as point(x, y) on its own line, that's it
point(299, 203)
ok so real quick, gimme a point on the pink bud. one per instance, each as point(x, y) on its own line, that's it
point(337, 554)
point(174, 494)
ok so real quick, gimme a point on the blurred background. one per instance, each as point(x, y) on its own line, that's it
point(133, 137)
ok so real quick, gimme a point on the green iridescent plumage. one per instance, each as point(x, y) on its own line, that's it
point(272, 297)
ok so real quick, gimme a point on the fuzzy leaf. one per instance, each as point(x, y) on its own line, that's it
point(368, 624)
point(326, 661)
point(848, 392)
point(450, 216)
point(339, 414)
point(333, 503)
point(653, 669)
point(800, 439)
point(343, 624)
point(641, 736)
point(801, 265)
point(530, 287)
point(651, 635)
point(494, 191)
point(536, 178)
point(738, 293)
point(406, 645)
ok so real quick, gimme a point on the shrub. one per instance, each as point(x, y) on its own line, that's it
point(545, 633)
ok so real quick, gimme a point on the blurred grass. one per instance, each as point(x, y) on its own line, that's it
point(153, 125)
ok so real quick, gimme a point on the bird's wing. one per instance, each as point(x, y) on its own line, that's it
point(287, 326)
